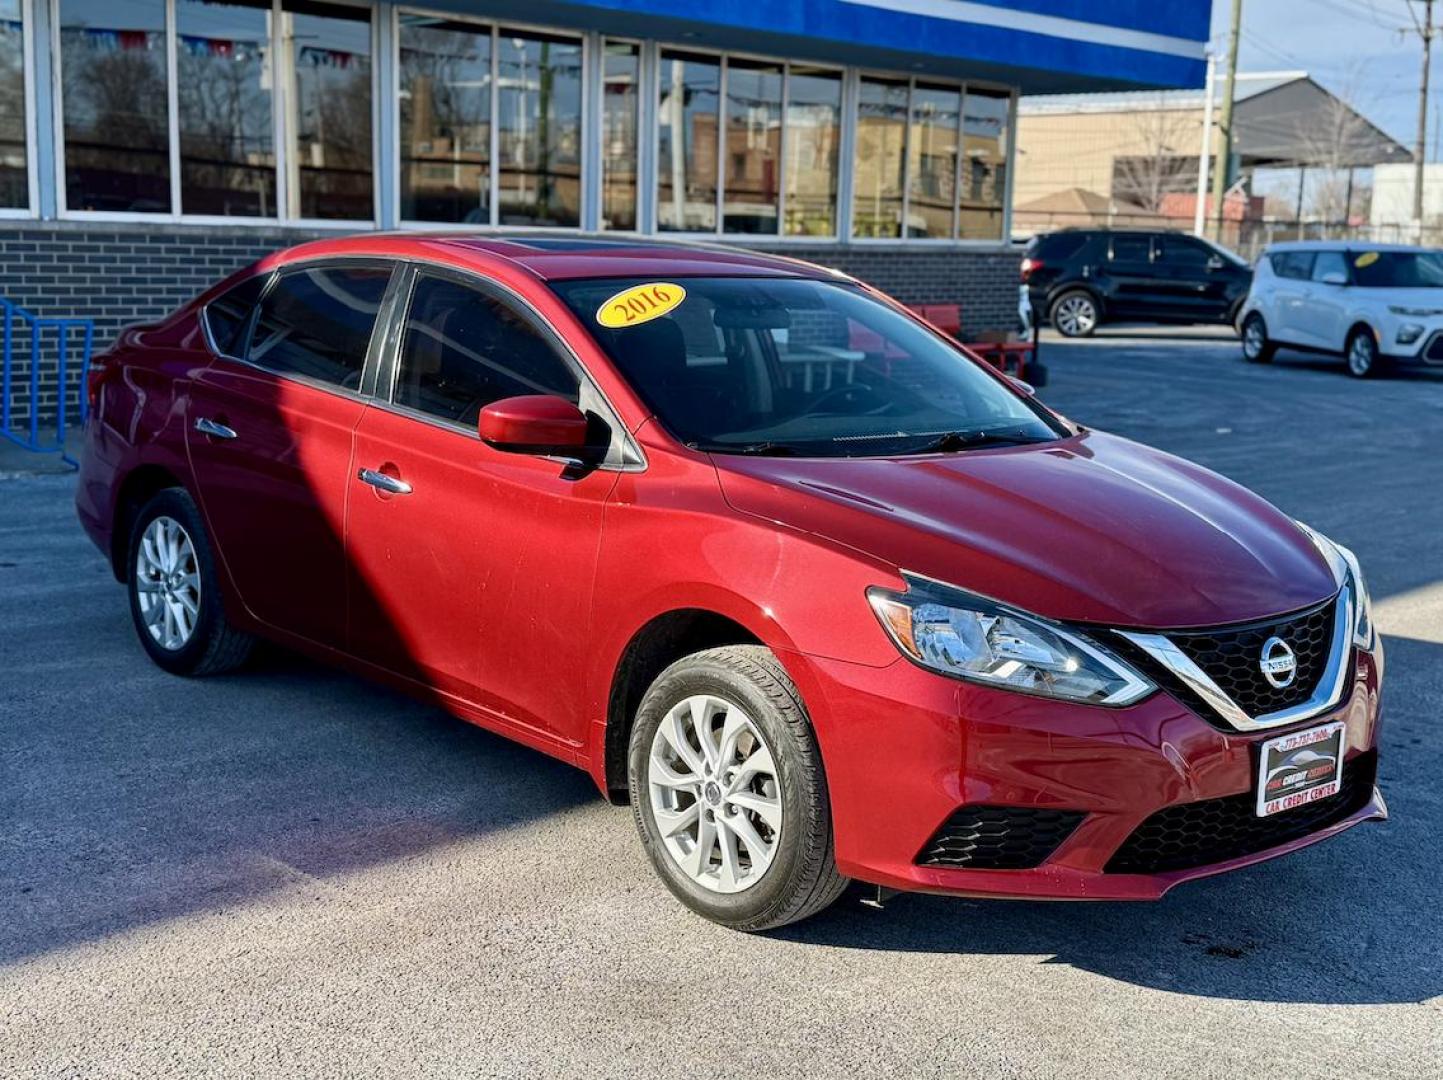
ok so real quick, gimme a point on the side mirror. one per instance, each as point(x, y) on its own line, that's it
point(1216, 262)
point(1026, 388)
point(538, 424)
point(1335, 277)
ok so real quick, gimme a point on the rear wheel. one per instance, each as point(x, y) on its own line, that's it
point(1257, 349)
point(174, 596)
point(1075, 314)
point(1362, 354)
point(728, 791)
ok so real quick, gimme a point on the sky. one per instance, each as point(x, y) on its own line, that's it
point(1352, 47)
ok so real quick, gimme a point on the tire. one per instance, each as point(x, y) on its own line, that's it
point(193, 637)
point(1361, 354)
point(749, 707)
point(1075, 314)
point(1257, 349)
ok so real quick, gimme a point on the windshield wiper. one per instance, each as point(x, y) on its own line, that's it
point(950, 441)
point(758, 449)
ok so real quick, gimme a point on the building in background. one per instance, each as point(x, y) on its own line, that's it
point(1390, 214)
point(1302, 158)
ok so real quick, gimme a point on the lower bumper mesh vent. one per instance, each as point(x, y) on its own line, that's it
point(999, 837)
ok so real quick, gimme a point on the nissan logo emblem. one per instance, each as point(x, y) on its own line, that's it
point(1278, 663)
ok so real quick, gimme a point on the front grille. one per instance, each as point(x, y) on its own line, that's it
point(999, 837)
point(1216, 830)
point(1229, 656)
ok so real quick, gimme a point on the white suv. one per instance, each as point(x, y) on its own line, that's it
point(1368, 303)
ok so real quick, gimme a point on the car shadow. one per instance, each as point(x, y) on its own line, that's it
point(1353, 920)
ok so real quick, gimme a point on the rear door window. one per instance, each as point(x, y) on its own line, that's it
point(1330, 262)
point(317, 323)
point(1131, 247)
point(227, 317)
point(462, 349)
point(1295, 265)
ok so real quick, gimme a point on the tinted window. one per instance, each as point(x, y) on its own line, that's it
point(1127, 248)
point(1329, 262)
point(790, 366)
point(318, 323)
point(462, 350)
point(1398, 269)
point(1184, 251)
point(1061, 245)
point(226, 316)
point(1297, 265)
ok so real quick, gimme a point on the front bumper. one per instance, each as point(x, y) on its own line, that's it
point(897, 772)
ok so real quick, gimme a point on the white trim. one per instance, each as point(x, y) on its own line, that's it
point(967, 11)
point(172, 107)
point(29, 126)
point(57, 110)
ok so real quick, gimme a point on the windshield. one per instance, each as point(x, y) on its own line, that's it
point(789, 366)
point(1398, 269)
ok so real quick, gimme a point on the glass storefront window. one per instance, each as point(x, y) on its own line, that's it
point(814, 131)
point(620, 78)
point(539, 122)
point(445, 136)
point(753, 151)
point(984, 165)
point(327, 51)
point(686, 165)
point(14, 180)
point(224, 67)
point(114, 102)
point(932, 160)
point(880, 160)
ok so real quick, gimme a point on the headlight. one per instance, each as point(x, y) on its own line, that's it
point(1347, 572)
point(972, 638)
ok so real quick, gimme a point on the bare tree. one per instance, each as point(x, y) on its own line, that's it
point(1334, 140)
point(1165, 161)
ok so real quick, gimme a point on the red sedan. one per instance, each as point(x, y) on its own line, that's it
point(822, 595)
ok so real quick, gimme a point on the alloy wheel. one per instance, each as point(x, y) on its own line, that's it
point(1253, 340)
point(1076, 316)
point(714, 793)
point(167, 583)
point(1361, 354)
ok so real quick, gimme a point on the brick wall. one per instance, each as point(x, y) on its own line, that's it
point(121, 274)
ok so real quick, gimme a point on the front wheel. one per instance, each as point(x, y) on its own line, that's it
point(175, 600)
point(1074, 314)
point(728, 791)
point(1257, 349)
point(1362, 353)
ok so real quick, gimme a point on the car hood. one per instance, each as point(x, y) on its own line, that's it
point(1093, 528)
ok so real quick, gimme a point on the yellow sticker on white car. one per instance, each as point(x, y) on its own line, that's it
point(639, 304)
point(1368, 258)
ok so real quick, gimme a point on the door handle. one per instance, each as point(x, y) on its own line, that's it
point(390, 484)
point(209, 427)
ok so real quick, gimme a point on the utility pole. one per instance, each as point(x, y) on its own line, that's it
point(1225, 123)
point(1426, 32)
point(1199, 216)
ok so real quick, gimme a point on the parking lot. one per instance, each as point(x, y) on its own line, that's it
point(291, 872)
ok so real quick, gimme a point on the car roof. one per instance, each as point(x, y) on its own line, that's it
point(562, 256)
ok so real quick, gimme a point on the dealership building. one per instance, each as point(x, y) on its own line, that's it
point(149, 146)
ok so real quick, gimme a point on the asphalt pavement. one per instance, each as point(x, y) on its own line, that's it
point(289, 872)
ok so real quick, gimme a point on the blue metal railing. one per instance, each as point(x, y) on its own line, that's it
point(12, 316)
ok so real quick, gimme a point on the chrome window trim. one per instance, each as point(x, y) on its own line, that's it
point(1330, 690)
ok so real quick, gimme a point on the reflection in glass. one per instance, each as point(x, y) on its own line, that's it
point(619, 101)
point(984, 165)
point(814, 126)
point(686, 172)
point(14, 189)
point(932, 154)
point(539, 121)
point(113, 97)
point(445, 120)
point(753, 147)
point(223, 64)
point(881, 137)
point(327, 49)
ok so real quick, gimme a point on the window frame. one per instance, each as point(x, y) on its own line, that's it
point(623, 454)
point(596, 117)
point(280, 106)
point(30, 121)
point(365, 391)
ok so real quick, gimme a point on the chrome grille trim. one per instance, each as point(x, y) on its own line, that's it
point(1330, 689)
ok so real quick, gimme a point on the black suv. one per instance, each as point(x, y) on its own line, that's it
point(1079, 278)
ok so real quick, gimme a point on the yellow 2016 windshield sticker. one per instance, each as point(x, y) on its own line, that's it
point(1368, 258)
point(639, 304)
